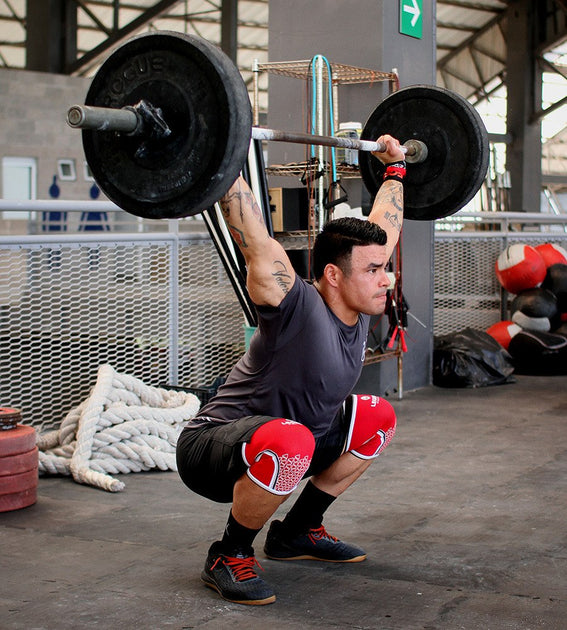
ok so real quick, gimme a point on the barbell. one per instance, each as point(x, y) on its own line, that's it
point(142, 119)
point(167, 123)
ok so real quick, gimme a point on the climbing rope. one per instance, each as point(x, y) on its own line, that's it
point(123, 426)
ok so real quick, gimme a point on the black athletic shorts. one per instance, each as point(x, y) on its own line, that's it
point(209, 456)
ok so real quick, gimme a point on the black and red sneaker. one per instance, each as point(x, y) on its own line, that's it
point(234, 576)
point(315, 544)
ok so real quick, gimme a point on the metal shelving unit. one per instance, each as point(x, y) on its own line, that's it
point(314, 70)
point(341, 74)
point(298, 169)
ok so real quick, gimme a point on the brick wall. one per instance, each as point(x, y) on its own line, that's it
point(33, 107)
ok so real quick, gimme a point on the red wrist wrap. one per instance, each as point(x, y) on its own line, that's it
point(396, 171)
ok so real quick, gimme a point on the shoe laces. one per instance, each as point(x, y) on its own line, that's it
point(319, 533)
point(241, 568)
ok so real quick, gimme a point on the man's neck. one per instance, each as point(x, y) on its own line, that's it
point(336, 304)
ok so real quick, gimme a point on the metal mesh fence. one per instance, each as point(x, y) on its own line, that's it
point(159, 309)
point(467, 292)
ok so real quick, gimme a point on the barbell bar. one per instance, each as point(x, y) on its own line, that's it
point(167, 124)
point(128, 120)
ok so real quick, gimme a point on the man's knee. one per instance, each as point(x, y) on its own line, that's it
point(278, 455)
point(372, 425)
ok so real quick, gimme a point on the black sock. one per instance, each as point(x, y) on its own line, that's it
point(307, 512)
point(236, 536)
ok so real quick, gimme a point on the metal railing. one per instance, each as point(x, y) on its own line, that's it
point(43, 216)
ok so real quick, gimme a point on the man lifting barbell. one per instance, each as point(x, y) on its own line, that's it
point(286, 411)
point(166, 130)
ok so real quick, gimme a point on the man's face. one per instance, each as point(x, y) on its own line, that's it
point(364, 287)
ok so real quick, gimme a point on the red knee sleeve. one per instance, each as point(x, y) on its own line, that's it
point(372, 425)
point(278, 455)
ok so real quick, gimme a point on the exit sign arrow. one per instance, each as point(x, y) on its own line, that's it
point(414, 10)
point(411, 18)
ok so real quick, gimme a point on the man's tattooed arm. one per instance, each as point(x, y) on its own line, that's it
point(270, 274)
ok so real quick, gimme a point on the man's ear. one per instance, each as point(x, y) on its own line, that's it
point(332, 274)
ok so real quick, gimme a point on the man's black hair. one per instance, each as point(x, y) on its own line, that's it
point(334, 243)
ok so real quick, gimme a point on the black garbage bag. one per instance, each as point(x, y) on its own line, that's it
point(470, 358)
point(539, 353)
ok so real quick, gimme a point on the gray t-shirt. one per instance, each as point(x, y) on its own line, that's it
point(302, 363)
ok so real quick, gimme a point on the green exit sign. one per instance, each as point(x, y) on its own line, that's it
point(411, 18)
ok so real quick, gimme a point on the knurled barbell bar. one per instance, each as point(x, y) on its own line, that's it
point(131, 121)
point(166, 128)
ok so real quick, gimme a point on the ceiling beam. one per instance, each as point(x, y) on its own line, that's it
point(468, 42)
point(90, 58)
point(456, 27)
point(476, 6)
point(542, 113)
point(229, 28)
point(83, 6)
point(552, 67)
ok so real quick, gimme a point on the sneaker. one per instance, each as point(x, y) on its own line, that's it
point(316, 544)
point(234, 577)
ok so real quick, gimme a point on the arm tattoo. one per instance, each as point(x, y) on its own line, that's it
point(393, 199)
point(397, 200)
point(282, 276)
point(238, 236)
point(256, 210)
point(226, 201)
point(393, 220)
point(238, 202)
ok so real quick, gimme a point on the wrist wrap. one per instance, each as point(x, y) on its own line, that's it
point(395, 171)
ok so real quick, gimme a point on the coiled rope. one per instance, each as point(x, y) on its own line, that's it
point(123, 426)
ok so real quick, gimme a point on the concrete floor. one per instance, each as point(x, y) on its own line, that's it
point(463, 518)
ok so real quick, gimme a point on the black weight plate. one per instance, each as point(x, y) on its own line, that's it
point(205, 103)
point(457, 143)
